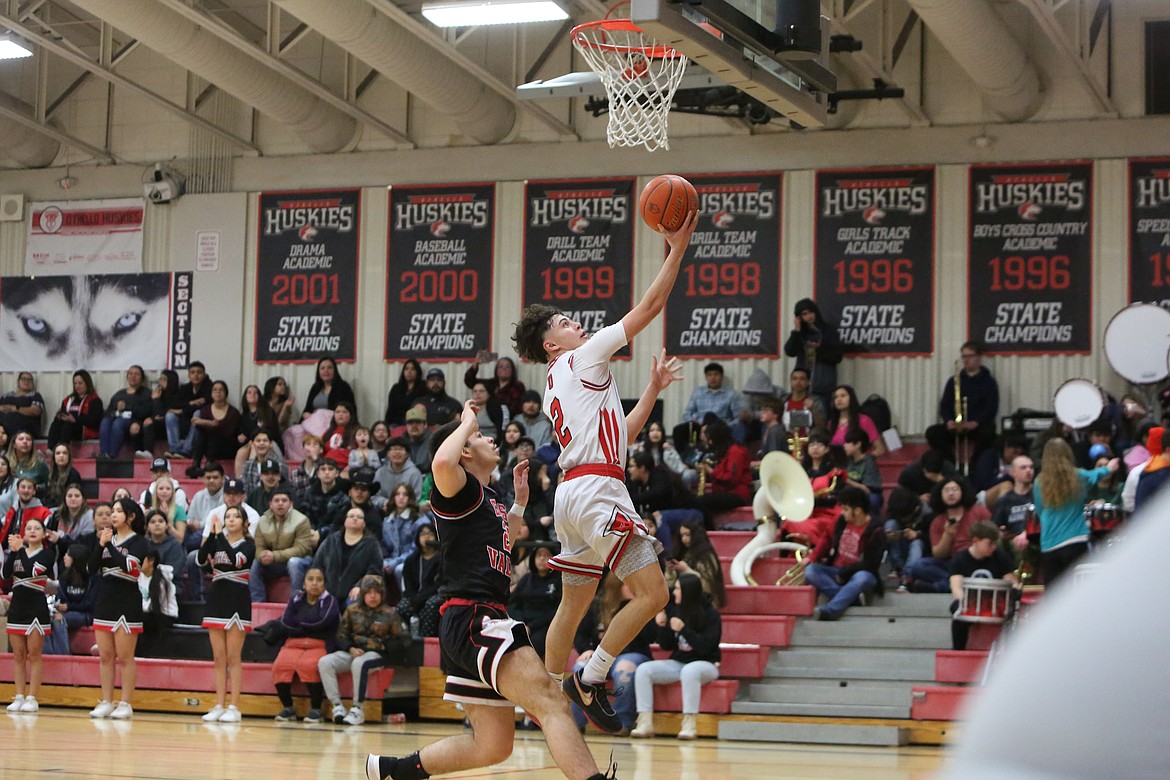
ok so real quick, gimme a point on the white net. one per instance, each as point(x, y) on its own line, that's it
point(640, 77)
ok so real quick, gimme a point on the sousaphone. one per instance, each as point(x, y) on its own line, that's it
point(785, 494)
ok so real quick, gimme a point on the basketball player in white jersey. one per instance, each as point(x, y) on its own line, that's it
point(595, 519)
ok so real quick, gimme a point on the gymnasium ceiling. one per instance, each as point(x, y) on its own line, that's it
point(326, 76)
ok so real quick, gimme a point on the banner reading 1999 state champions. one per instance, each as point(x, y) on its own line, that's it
point(727, 297)
point(439, 271)
point(1030, 262)
point(306, 276)
point(578, 249)
point(875, 258)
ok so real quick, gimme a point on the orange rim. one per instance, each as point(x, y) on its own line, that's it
point(599, 42)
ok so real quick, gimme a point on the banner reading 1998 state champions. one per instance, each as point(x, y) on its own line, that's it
point(727, 297)
point(306, 276)
point(578, 249)
point(1030, 263)
point(875, 258)
point(439, 271)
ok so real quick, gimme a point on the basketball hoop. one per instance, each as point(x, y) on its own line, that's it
point(640, 76)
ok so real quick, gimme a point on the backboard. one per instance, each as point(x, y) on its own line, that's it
point(772, 50)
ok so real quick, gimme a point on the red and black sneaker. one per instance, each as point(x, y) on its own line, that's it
point(593, 700)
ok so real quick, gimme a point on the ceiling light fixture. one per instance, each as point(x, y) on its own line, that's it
point(476, 13)
point(13, 48)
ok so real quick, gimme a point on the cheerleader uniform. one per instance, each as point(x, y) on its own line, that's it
point(28, 572)
point(229, 604)
point(119, 604)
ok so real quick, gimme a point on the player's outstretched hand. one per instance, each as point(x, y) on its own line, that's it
point(681, 237)
point(520, 482)
point(470, 410)
point(664, 370)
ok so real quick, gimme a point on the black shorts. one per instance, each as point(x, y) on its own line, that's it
point(473, 638)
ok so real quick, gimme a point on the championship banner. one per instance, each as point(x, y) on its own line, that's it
point(1149, 231)
point(98, 322)
point(579, 249)
point(874, 259)
point(726, 301)
point(71, 237)
point(1029, 268)
point(307, 276)
point(439, 271)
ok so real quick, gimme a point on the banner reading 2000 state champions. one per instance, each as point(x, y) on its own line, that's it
point(1030, 263)
point(306, 276)
point(439, 271)
point(726, 300)
point(875, 258)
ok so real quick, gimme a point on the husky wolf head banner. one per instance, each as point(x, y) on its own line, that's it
point(307, 276)
point(1031, 256)
point(100, 322)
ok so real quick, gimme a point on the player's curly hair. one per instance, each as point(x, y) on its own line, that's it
point(529, 335)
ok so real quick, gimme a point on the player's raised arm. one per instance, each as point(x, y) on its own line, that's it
point(654, 299)
point(447, 467)
point(663, 371)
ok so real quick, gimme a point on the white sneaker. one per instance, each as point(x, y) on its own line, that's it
point(338, 713)
point(230, 715)
point(356, 716)
point(123, 711)
point(17, 703)
point(103, 710)
point(145, 454)
point(30, 704)
point(213, 714)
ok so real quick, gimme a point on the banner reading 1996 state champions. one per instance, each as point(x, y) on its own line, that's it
point(578, 249)
point(726, 300)
point(875, 258)
point(306, 276)
point(1030, 263)
point(439, 271)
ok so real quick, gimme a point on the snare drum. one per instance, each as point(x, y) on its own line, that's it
point(1103, 518)
point(984, 600)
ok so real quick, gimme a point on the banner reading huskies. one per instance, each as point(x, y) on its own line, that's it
point(874, 258)
point(1149, 231)
point(307, 276)
point(579, 249)
point(439, 271)
point(727, 298)
point(1030, 261)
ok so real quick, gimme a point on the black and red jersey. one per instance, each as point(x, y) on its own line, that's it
point(476, 550)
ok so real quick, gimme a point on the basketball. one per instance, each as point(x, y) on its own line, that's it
point(667, 200)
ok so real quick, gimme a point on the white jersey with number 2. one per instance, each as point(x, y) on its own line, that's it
point(583, 402)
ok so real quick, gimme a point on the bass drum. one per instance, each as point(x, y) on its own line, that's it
point(1137, 343)
point(1078, 403)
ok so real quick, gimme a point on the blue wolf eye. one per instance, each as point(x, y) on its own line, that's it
point(35, 327)
point(127, 322)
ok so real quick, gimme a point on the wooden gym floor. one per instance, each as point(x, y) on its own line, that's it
point(65, 743)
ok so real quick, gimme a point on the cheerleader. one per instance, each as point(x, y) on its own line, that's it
point(28, 567)
point(228, 553)
point(117, 618)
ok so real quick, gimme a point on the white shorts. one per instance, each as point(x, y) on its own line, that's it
point(595, 520)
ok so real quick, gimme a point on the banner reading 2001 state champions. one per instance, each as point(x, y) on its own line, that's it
point(1030, 263)
point(439, 271)
point(726, 300)
point(578, 249)
point(306, 276)
point(875, 258)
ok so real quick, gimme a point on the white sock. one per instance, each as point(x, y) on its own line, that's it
point(598, 667)
point(557, 677)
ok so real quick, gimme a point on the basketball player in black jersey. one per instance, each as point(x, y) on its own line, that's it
point(487, 656)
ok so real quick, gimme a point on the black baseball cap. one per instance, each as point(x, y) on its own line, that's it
point(233, 485)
